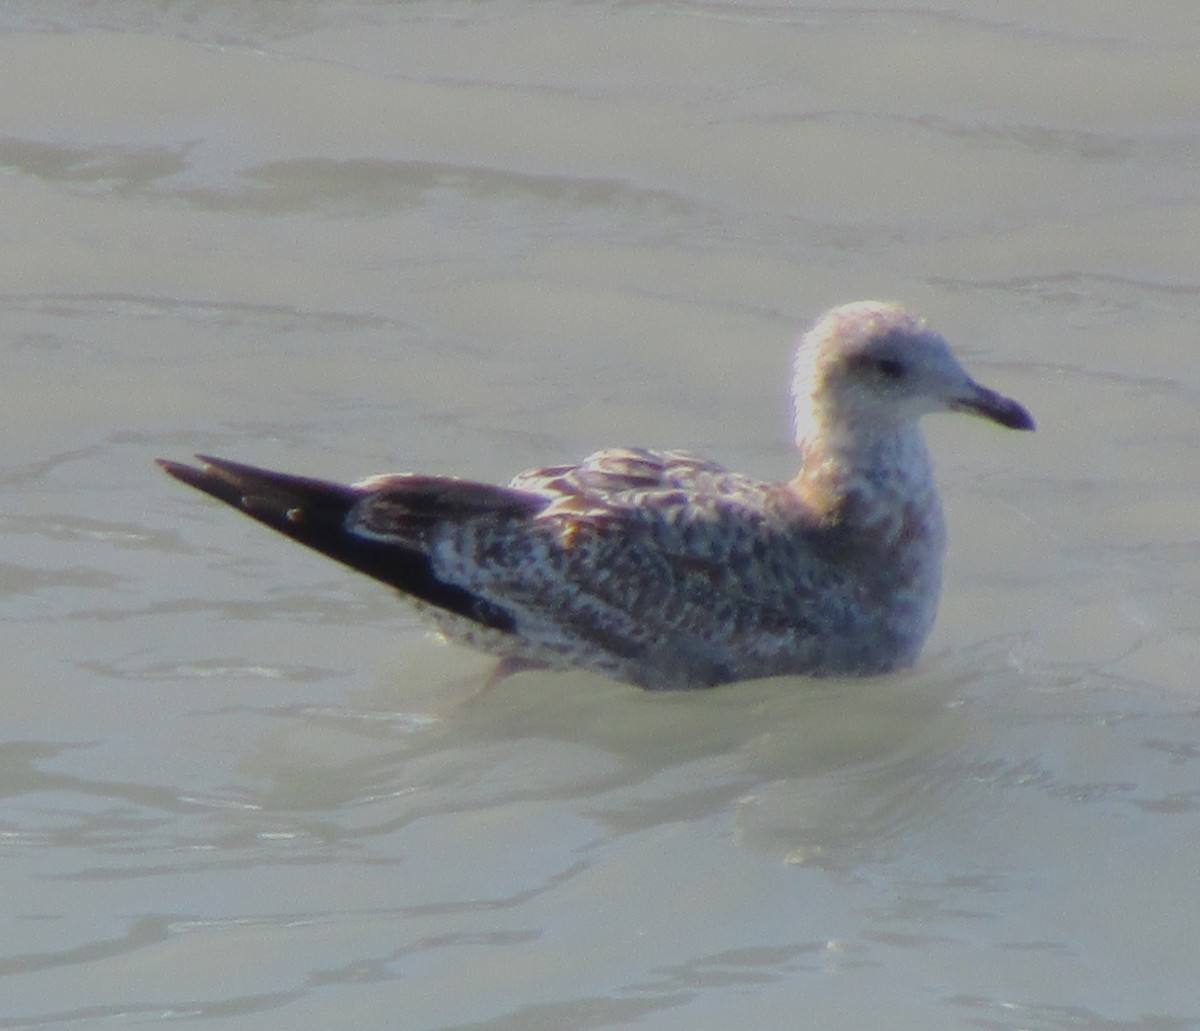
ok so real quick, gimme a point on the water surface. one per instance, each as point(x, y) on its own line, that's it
point(242, 787)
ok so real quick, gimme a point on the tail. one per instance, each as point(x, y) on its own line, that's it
point(316, 513)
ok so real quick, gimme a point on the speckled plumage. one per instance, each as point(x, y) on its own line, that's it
point(665, 569)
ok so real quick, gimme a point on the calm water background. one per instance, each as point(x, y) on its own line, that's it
point(242, 788)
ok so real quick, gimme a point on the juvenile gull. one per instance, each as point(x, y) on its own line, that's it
point(665, 569)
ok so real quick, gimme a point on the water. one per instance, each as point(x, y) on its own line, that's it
point(241, 787)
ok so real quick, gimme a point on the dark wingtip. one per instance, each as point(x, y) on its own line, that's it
point(314, 513)
point(188, 474)
point(214, 477)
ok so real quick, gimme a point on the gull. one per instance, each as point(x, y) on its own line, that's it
point(665, 569)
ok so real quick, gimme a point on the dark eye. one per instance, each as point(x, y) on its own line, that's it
point(890, 368)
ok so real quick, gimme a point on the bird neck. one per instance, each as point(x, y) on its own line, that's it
point(877, 480)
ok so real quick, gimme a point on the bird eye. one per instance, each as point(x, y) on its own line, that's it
point(890, 368)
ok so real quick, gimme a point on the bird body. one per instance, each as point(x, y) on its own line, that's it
point(665, 569)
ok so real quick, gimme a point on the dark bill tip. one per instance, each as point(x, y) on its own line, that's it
point(997, 408)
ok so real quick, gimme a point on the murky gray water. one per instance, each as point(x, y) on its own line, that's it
point(240, 787)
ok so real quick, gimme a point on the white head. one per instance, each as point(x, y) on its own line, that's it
point(873, 367)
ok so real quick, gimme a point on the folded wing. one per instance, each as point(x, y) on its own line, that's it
point(642, 559)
